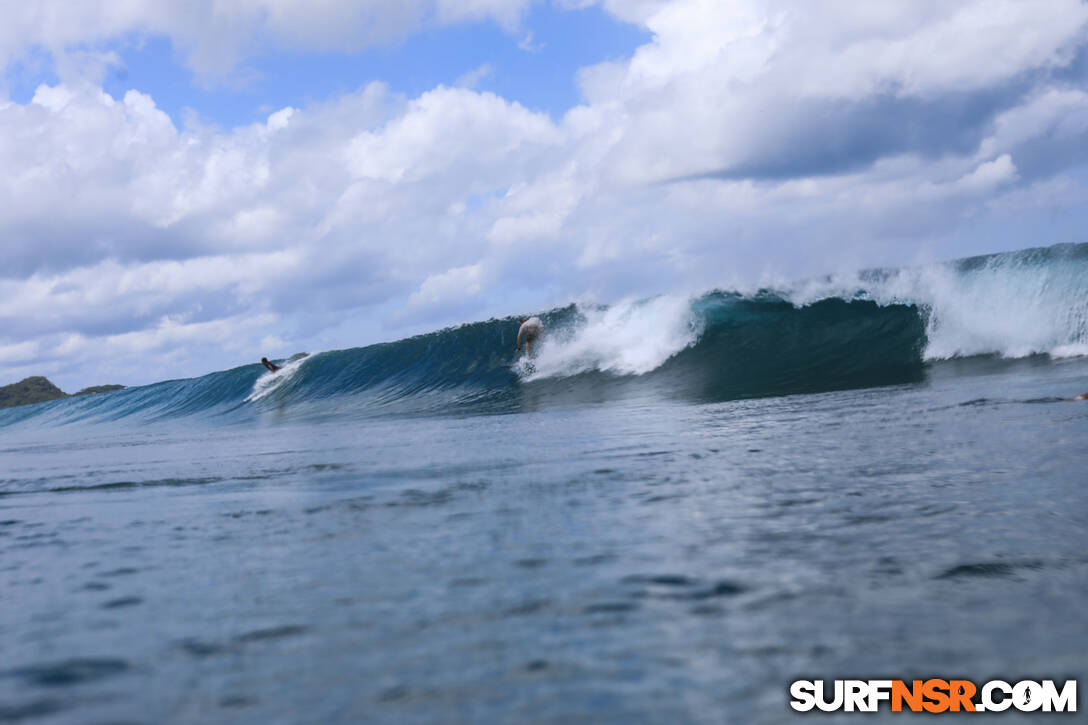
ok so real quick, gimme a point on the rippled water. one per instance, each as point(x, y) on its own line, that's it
point(638, 561)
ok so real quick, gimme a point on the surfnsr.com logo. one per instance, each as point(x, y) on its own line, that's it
point(933, 695)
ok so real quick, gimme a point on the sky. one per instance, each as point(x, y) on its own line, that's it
point(190, 185)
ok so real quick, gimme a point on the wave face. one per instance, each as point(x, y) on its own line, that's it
point(878, 327)
point(1030, 302)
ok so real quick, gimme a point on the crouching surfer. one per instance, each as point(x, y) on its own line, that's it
point(272, 367)
point(530, 330)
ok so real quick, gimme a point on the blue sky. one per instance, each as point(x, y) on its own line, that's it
point(535, 65)
point(190, 183)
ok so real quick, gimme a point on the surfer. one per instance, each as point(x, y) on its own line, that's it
point(272, 367)
point(530, 330)
point(1082, 396)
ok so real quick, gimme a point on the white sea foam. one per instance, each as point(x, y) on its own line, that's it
point(271, 381)
point(628, 338)
point(1007, 306)
point(1011, 311)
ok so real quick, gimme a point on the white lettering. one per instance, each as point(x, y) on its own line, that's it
point(823, 703)
point(1065, 701)
point(990, 703)
point(855, 695)
point(803, 693)
point(878, 690)
point(1027, 696)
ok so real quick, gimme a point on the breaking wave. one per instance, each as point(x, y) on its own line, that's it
point(876, 327)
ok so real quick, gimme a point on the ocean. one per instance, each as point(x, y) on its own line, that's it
point(682, 505)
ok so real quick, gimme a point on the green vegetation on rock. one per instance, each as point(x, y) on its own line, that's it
point(37, 389)
point(99, 389)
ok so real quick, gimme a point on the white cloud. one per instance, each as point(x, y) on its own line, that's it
point(452, 286)
point(171, 333)
point(507, 13)
point(529, 45)
point(536, 211)
point(448, 131)
point(1058, 114)
point(750, 86)
point(990, 174)
point(19, 352)
point(473, 78)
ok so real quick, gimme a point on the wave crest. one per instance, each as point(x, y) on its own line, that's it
point(629, 338)
point(871, 328)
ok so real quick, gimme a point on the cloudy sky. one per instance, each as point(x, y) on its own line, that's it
point(191, 184)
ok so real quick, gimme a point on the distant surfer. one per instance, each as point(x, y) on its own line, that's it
point(1082, 396)
point(530, 329)
point(272, 367)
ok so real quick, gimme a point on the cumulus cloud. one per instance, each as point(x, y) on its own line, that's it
point(745, 140)
point(770, 89)
point(990, 174)
point(444, 290)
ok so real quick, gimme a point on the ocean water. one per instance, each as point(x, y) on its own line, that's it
point(683, 505)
